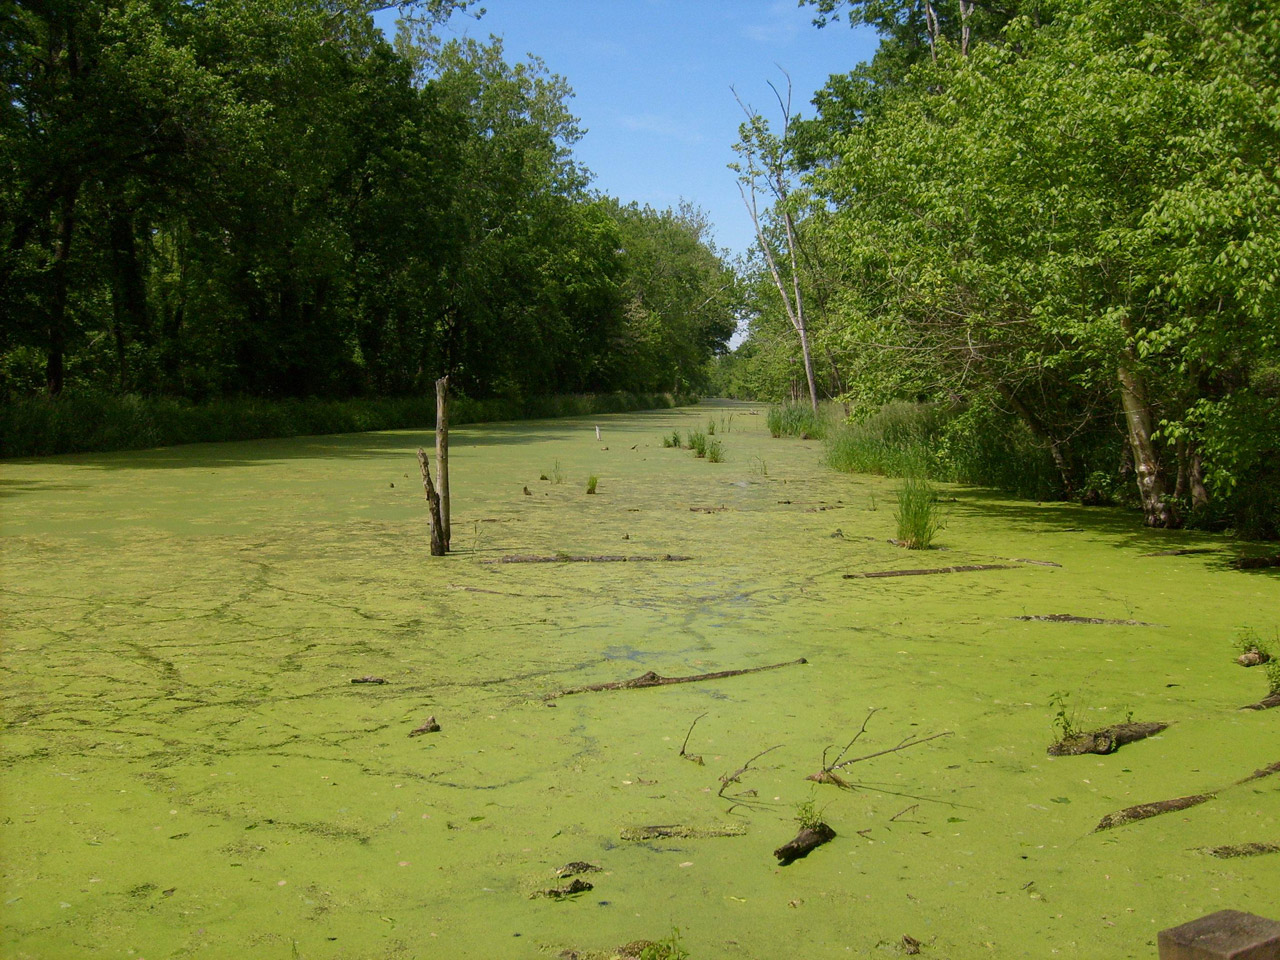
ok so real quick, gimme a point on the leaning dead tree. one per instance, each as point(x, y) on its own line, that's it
point(764, 169)
point(438, 491)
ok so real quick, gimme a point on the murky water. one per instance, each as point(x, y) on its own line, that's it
point(189, 771)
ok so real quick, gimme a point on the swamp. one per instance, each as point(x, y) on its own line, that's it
point(216, 656)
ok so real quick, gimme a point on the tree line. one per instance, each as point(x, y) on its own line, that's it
point(267, 198)
point(1058, 217)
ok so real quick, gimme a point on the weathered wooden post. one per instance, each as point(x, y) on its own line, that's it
point(442, 455)
point(438, 546)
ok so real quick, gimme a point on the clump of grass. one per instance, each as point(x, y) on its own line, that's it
point(715, 452)
point(591, 483)
point(919, 516)
point(898, 440)
point(1273, 677)
point(673, 440)
point(808, 816)
point(669, 948)
point(1250, 643)
point(796, 420)
point(759, 466)
point(698, 443)
point(711, 428)
point(557, 475)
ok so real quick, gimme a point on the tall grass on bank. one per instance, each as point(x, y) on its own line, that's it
point(952, 445)
point(919, 516)
point(83, 424)
point(898, 440)
point(796, 420)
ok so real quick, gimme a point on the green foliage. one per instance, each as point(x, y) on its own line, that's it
point(698, 443)
point(808, 816)
point(919, 516)
point(1064, 718)
point(711, 427)
point(669, 948)
point(1249, 642)
point(591, 483)
point(673, 440)
point(1273, 676)
point(715, 451)
point(557, 475)
point(796, 420)
point(217, 200)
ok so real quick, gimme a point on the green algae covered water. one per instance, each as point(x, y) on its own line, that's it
point(188, 770)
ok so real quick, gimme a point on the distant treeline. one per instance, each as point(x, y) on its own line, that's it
point(267, 199)
point(1053, 223)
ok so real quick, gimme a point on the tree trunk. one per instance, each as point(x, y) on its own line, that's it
point(442, 455)
point(128, 294)
point(57, 329)
point(438, 547)
point(1152, 488)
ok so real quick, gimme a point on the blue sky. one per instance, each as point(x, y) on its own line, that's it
point(652, 80)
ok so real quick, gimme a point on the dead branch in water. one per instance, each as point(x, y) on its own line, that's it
point(695, 758)
point(828, 772)
point(736, 777)
point(652, 679)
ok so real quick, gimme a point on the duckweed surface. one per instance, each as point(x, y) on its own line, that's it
point(188, 770)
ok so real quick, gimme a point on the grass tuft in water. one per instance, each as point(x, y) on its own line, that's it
point(698, 443)
point(715, 451)
point(919, 516)
point(796, 420)
point(591, 483)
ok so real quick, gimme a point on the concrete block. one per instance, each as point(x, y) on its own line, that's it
point(1225, 935)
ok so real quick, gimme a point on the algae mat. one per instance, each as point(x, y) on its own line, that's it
point(189, 771)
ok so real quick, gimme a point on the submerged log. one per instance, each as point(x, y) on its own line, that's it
point(1266, 703)
point(651, 679)
point(681, 831)
point(966, 568)
point(578, 558)
point(1143, 811)
point(1256, 563)
point(1072, 618)
point(1104, 741)
point(809, 838)
point(430, 726)
point(571, 889)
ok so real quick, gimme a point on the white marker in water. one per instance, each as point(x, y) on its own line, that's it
point(597, 433)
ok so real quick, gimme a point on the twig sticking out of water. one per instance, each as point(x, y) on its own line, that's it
point(695, 758)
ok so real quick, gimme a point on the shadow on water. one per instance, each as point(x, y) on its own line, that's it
point(1117, 526)
point(389, 444)
point(16, 488)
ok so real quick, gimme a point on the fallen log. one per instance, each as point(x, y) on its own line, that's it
point(1143, 811)
point(652, 679)
point(573, 888)
point(965, 568)
point(430, 726)
point(1266, 703)
point(578, 558)
point(368, 680)
point(1105, 741)
point(809, 838)
point(680, 831)
point(1072, 618)
point(1234, 850)
point(1182, 553)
